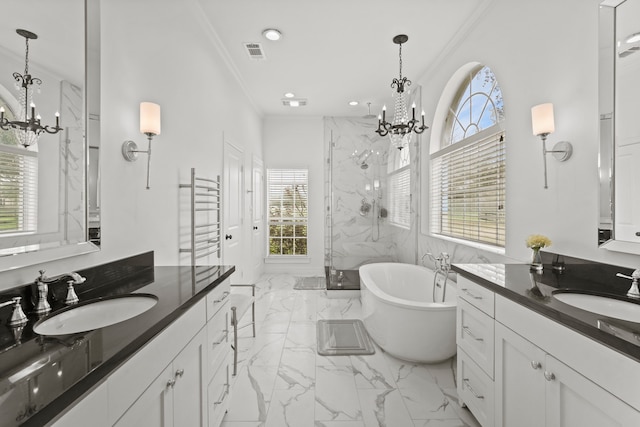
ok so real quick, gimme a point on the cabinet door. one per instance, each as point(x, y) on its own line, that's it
point(519, 380)
point(189, 372)
point(575, 401)
point(155, 406)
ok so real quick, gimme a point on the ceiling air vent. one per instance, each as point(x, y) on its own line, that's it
point(294, 102)
point(254, 50)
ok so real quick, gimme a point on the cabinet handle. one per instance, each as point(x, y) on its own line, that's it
point(225, 294)
point(549, 376)
point(225, 334)
point(468, 331)
point(466, 291)
point(466, 382)
point(225, 392)
point(179, 373)
point(536, 365)
point(171, 383)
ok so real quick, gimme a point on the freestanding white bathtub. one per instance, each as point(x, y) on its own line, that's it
point(400, 315)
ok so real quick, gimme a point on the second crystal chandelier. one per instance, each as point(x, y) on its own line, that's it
point(401, 128)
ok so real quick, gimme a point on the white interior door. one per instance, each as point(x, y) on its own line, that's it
point(233, 199)
point(257, 222)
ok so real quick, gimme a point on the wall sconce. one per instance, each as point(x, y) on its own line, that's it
point(150, 126)
point(543, 124)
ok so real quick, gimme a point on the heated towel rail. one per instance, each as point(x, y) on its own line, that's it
point(206, 229)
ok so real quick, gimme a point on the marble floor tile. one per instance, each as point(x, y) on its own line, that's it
point(339, 424)
point(251, 393)
point(302, 334)
point(372, 371)
point(409, 375)
point(242, 424)
point(428, 403)
point(305, 308)
point(275, 322)
point(291, 408)
point(297, 369)
point(266, 350)
point(383, 408)
point(439, 423)
point(336, 394)
point(283, 382)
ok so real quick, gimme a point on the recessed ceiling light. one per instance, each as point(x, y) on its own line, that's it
point(272, 34)
point(289, 95)
point(353, 103)
point(294, 103)
point(633, 38)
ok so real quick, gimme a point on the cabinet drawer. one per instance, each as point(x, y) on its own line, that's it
point(475, 389)
point(476, 295)
point(475, 335)
point(217, 339)
point(217, 298)
point(218, 392)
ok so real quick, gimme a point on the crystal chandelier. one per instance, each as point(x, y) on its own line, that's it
point(27, 126)
point(401, 128)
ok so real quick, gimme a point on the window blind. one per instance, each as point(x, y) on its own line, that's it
point(288, 211)
point(468, 190)
point(400, 197)
point(18, 189)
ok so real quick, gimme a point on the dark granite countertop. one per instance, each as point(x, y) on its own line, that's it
point(41, 376)
point(534, 291)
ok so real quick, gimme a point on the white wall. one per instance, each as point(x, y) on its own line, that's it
point(542, 51)
point(297, 142)
point(160, 53)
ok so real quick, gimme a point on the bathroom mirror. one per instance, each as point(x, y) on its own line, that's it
point(619, 106)
point(49, 202)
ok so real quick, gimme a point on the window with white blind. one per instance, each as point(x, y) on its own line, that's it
point(400, 197)
point(468, 171)
point(18, 183)
point(288, 213)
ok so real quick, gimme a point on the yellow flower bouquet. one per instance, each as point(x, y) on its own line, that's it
point(537, 242)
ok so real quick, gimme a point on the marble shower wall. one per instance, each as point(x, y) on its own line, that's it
point(352, 239)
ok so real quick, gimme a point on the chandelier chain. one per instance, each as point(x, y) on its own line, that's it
point(400, 55)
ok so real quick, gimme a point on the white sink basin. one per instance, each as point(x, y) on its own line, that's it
point(95, 314)
point(610, 307)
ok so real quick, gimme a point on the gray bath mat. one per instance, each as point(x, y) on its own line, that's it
point(343, 337)
point(310, 283)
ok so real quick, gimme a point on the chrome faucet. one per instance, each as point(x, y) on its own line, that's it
point(42, 282)
point(441, 262)
point(633, 291)
point(18, 318)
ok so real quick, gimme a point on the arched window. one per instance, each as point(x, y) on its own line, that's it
point(468, 169)
point(18, 181)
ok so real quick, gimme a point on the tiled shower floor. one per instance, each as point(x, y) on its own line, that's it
point(283, 382)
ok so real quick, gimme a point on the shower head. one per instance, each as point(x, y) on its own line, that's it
point(364, 166)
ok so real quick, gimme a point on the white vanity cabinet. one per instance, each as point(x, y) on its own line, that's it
point(177, 396)
point(179, 378)
point(475, 341)
point(519, 368)
point(533, 387)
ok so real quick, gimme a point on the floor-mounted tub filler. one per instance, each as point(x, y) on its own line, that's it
point(401, 316)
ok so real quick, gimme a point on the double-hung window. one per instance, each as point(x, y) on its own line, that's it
point(288, 211)
point(468, 171)
point(399, 178)
point(18, 183)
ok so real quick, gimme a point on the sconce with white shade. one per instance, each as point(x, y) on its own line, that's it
point(150, 126)
point(543, 124)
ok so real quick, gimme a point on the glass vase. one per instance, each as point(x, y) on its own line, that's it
point(536, 260)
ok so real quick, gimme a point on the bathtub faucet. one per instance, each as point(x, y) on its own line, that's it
point(441, 262)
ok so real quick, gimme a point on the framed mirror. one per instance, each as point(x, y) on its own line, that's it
point(49, 185)
point(619, 107)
